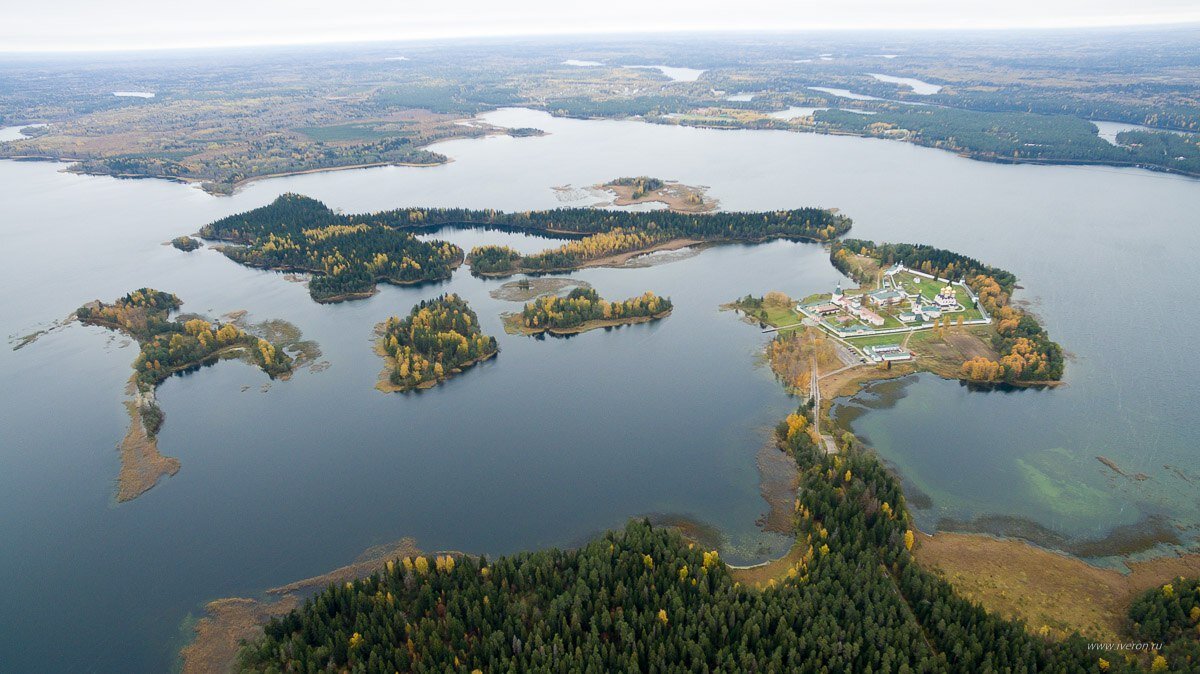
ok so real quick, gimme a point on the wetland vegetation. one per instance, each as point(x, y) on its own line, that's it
point(167, 347)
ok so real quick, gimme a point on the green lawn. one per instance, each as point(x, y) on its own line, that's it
point(876, 340)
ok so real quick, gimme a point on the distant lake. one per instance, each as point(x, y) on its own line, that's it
point(557, 439)
point(675, 73)
point(918, 86)
point(8, 133)
point(1109, 130)
point(846, 93)
point(582, 64)
point(134, 94)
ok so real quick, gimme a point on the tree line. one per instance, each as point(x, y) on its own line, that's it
point(438, 338)
point(645, 599)
point(348, 254)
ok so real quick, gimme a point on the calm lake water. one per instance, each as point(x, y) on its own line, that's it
point(556, 439)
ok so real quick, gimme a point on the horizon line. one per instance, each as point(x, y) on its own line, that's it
point(663, 32)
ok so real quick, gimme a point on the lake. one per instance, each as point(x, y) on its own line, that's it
point(8, 133)
point(918, 87)
point(556, 439)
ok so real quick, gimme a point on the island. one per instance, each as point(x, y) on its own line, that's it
point(348, 254)
point(674, 195)
point(437, 340)
point(168, 347)
point(583, 309)
point(185, 243)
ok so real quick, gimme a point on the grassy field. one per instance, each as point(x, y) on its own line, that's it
point(877, 340)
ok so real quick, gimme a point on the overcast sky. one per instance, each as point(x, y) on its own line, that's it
point(52, 25)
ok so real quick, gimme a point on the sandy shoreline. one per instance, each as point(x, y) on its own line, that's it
point(231, 620)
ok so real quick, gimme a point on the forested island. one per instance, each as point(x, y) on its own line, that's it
point(438, 339)
point(583, 309)
point(168, 347)
point(349, 254)
point(185, 243)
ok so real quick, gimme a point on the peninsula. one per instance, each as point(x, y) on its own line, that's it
point(437, 340)
point(918, 308)
point(583, 309)
point(168, 347)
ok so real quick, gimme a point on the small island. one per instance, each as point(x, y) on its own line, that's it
point(674, 195)
point(168, 347)
point(583, 309)
point(437, 340)
point(185, 243)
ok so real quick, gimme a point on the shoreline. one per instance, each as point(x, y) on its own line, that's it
point(973, 155)
point(346, 296)
point(512, 321)
point(142, 465)
point(230, 620)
